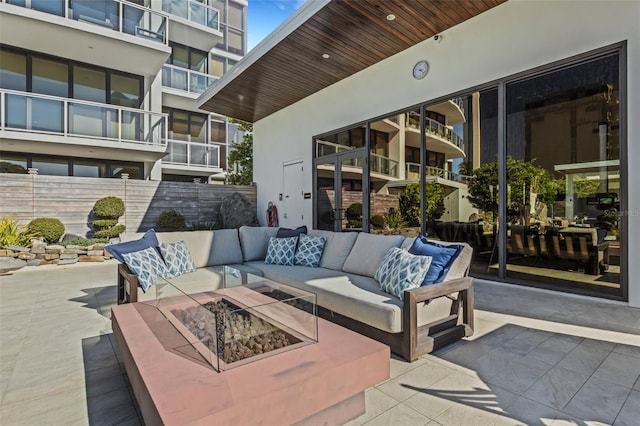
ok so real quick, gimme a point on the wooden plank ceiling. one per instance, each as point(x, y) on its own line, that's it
point(355, 33)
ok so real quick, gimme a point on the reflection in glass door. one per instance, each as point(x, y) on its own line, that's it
point(339, 191)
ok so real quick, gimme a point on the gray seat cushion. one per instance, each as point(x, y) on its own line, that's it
point(368, 251)
point(254, 241)
point(336, 249)
point(353, 296)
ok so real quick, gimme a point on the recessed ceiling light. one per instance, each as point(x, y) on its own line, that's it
point(90, 47)
point(391, 17)
point(326, 55)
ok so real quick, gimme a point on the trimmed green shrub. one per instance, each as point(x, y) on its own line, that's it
point(377, 221)
point(11, 233)
point(171, 220)
point(49, 228)
point(354, 212)
point(108, 208)
point(105, 223)
point(112, 232)
point(85, 242)
point(204, 226)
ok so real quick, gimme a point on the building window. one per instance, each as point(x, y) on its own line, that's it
point(188, 57)
point(117, 169)
point(50, 77)
point(89, 84)
point(186, 125)
point(125, 91)
point(51, 166)
point(10, 163)
point(87, 168)
point(13, 70)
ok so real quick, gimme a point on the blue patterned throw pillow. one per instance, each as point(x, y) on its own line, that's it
point(281, 251)
point(309, 251)
point(401, 270)
point(147, 265)
point(178, 258)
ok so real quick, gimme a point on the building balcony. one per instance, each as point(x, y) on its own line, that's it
point(186, 80)
point(111, 33)
point(412, 172)
point(380, 165)
point(50, 123)
point(440, 138)
point(194, 157)
point(193, 23)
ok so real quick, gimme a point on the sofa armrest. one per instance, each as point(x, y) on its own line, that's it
point(434, 291)
point(127, 285)
point(420, 340)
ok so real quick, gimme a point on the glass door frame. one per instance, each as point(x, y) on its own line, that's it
point(336, 160)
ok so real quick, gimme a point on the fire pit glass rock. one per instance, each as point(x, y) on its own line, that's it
point(232, 326)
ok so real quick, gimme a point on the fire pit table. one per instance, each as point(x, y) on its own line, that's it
point(246, 351)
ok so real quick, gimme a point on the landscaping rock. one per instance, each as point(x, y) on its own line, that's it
point(90, 259)
point(54, 249)
point(38, 248)
point(236, 211)
point(95, 252)
point(8, 264)
point(47, 256)
point(49, 262)
point(73, 251)
point(34, 262)
point(26, 256)
point(67, 256)
point(98, 246)
point(7, 253)
point(70, 237)
point(68, 261)
point(17, 248)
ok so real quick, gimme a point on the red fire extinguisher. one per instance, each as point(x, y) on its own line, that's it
point(272, 215)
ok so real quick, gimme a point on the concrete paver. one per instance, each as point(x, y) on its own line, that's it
point(536, 358)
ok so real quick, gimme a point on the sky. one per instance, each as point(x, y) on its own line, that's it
point(266, 15)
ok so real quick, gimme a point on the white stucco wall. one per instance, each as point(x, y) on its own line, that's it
point(514, 37)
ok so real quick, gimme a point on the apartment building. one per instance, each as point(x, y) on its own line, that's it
point(104, 88)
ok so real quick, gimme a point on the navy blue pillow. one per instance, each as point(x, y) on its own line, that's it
point(443, 256)
point(149, 239)
point(288, 233)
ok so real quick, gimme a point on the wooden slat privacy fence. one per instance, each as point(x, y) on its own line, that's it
point(71, 199)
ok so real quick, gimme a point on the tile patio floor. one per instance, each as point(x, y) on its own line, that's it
point(537, 358)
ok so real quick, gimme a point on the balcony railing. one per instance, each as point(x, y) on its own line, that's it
point(185, 79)
point(192, 154)
point(117, 15)
point(379, 163)
point(36, 113)
point(436, 128)
point(193, 11)
point(413, 172)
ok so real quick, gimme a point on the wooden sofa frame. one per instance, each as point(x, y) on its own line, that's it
point(413, 342)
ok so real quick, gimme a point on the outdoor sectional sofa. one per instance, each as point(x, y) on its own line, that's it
point(347, 294)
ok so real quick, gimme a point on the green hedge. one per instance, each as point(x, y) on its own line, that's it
point(49, 228)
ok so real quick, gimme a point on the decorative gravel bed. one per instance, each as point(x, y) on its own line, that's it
point(231, 332)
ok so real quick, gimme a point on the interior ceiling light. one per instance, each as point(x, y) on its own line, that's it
point(391, 17)
point(326, 55)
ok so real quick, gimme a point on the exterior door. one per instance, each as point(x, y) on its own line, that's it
point(292, 195)
point(339, 187)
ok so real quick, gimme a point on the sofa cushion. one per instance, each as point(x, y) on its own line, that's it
point(401, 270)
point(336, 249)
point(460, 266)
point(407, 243)
point(147, 265)
point(368, 251)
point(442, 258)
point(177, 258)
point(254, 241)
point(287, 233)
point(148, 239)
point(281, 251)
point(354, 296)
point(225, 248)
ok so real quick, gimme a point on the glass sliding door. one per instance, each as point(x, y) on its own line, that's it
point(339, 188)
point(563, 175)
